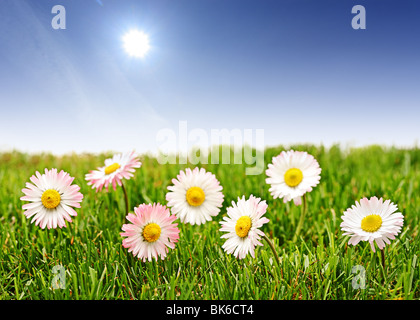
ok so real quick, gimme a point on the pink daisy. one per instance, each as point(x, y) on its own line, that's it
point(120, 166)
point(151, 232)
point(52, 198)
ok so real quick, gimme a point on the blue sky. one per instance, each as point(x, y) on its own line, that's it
point(296, 69)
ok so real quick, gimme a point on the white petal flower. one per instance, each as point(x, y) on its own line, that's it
point(52, 198)
point(120, 166)
point(242, 226)
point(292, 174)
point(195, 197)
point(372, 220)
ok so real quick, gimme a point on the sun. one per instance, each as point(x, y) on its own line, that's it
point(136, 43)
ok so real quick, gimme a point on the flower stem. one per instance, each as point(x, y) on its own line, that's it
point(301, 220)
point(383, 258)
point(125, 197)
point(272, 249)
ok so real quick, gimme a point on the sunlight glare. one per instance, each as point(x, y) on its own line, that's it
point(136, 43)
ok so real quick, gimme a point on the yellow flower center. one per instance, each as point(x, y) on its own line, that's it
point(195, 196)
point(151, 232)
point(293, 177)
point(50, 199)
point(110, 169)
point(371, 223)
point(242, 226)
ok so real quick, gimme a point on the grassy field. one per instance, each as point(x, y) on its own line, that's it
point(317, 266)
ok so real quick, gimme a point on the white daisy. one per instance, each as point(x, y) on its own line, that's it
point(242, 224)
point(372, 220)
point(52, 198)
point(120, 166)
point(292, 174)
point(195, 197)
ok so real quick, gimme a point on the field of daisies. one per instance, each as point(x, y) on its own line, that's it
point(317, 223)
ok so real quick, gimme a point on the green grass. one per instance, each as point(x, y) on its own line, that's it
point(317, 266)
